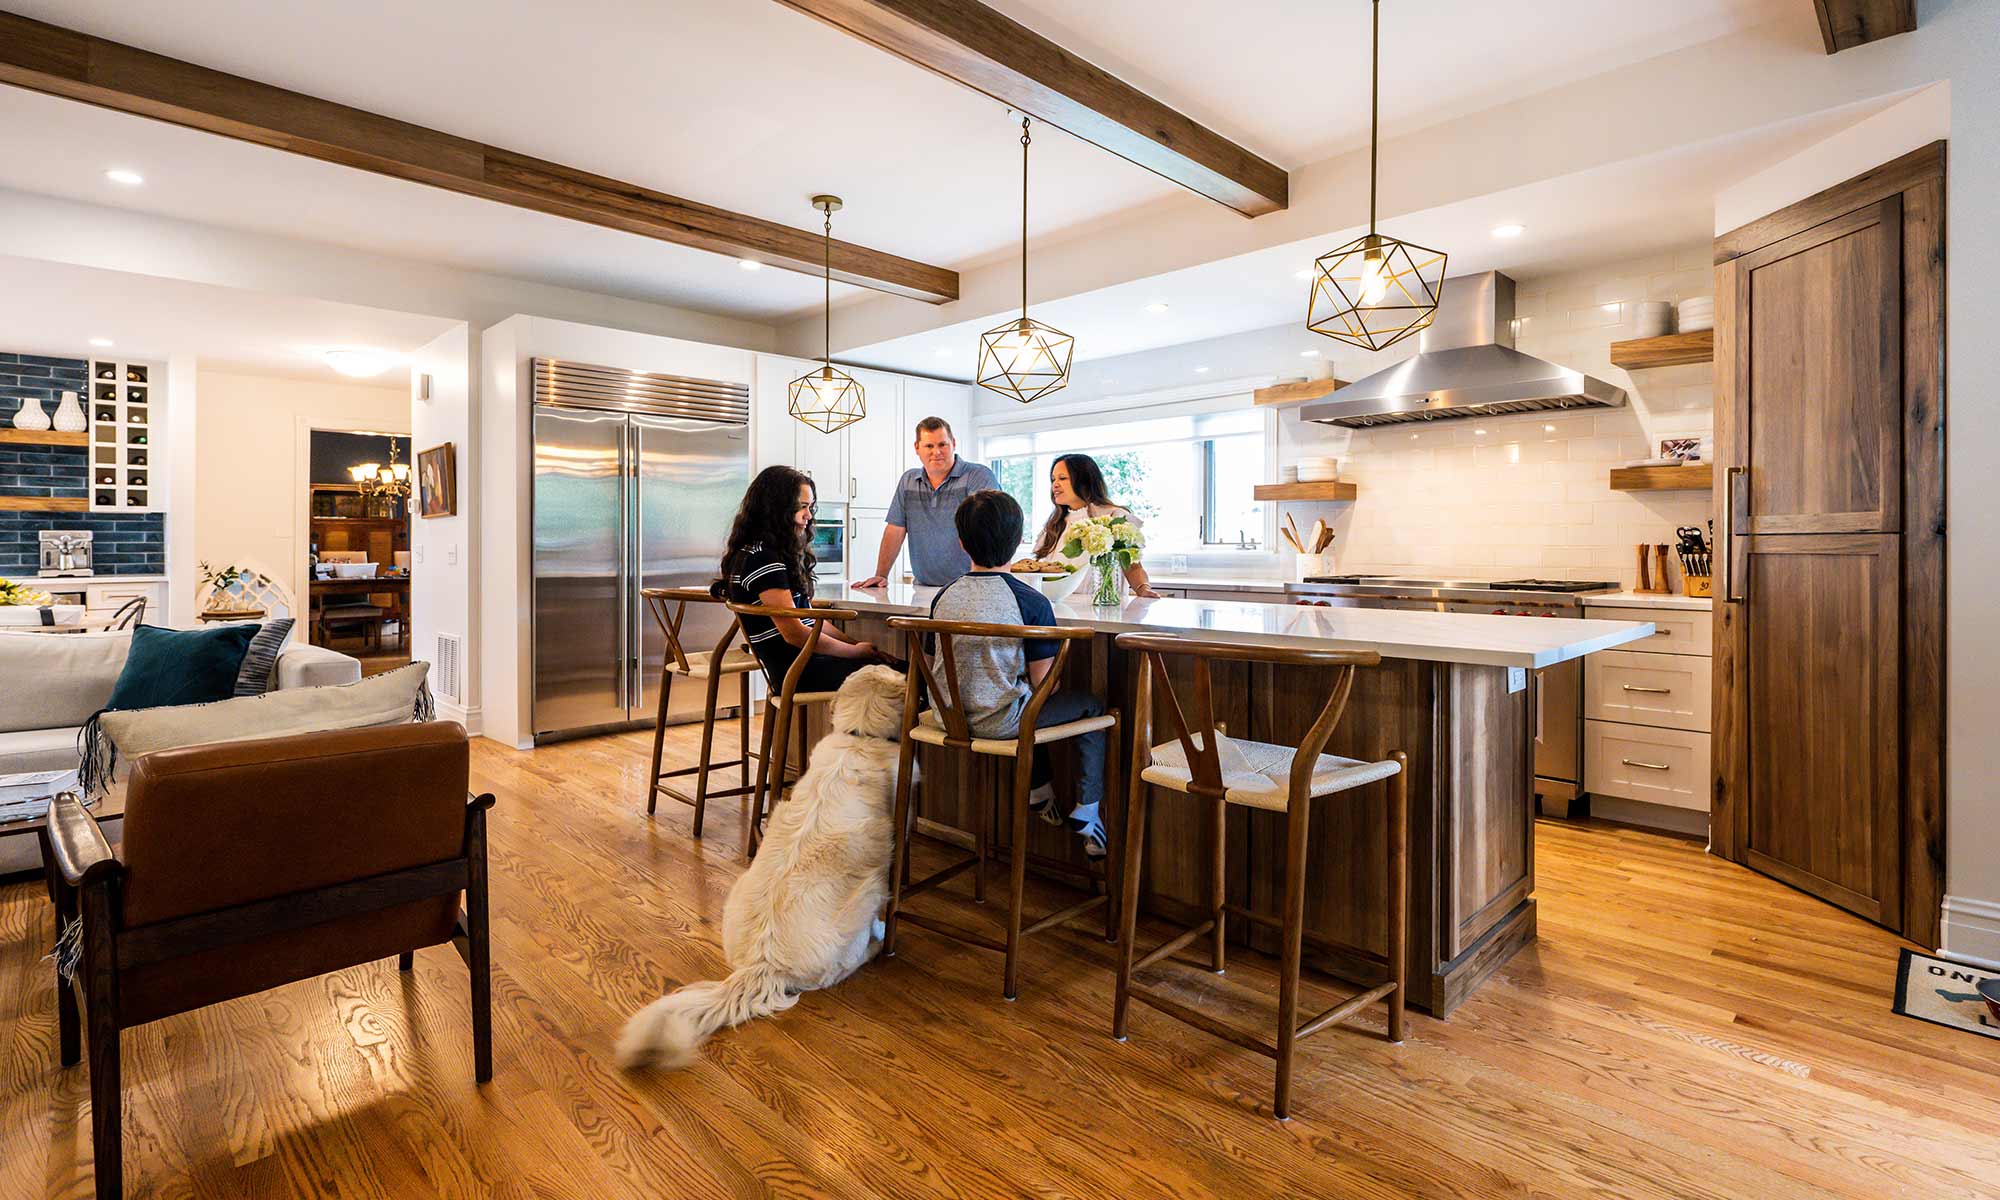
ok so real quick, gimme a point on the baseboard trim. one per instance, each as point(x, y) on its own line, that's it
point(1972, 931)
point(466, 716)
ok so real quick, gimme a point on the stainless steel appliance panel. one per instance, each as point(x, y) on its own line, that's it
point(690, 477)
point(579, 570)
point(830, 539)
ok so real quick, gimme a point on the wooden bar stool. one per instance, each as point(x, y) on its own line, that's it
point(955, 734)
point(669, 608)
point(1224, 771)
point(780, 703)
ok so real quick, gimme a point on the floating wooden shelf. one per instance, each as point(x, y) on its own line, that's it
point(44, 504)
point(1304, 491)
point(43, 437)
point(1693, 477)
point(1296, 391)
point(1667, 350)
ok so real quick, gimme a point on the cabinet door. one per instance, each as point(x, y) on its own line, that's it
point(937, 398)
point(878, 445)
point(822, 456)
point(771, 427)
point(864, 541)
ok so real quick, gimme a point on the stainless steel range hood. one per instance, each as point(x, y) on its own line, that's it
point(1466, 366)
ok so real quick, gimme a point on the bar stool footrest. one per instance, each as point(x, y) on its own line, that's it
point(1057, 918)
point(1202, 1021)
point(1170, 945)
point(937, 878)
point(1345, 1009)
point(1311, 939)
point(957, 932)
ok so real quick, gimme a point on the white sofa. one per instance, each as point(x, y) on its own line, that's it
point(51, 683)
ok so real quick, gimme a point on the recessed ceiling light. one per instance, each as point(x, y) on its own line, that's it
point(749, 264)
point(1548, 429)
point(1479, 433)
point(1157, 306)
point(128, 178)
point(1201, 370)
point(1610, 308)
point(359, 363)
point(1509, 230)
point(1308, 354)
point(1302, 274)
point(101, 343)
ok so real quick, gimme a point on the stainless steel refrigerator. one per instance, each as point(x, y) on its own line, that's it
point(633, 495)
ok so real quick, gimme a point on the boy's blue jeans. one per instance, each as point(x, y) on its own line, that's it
point(1064, 706)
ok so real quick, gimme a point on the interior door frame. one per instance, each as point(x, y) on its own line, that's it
point(1918, 178)
point(296, 577)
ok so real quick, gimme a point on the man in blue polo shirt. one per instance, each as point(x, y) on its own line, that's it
point(923, 508)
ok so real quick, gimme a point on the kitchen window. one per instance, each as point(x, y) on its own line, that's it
point(1189, 477)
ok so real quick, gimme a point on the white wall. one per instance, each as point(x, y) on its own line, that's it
point(444, 590)
point(251, 463)
point(505, 482)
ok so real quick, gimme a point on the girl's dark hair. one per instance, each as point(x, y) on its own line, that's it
point(1088, 484)
point(765, 519)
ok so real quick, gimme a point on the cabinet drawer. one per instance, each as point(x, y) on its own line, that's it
point(1670, 690)
point(103, 599)
point(1658, 766)
point(1675, 630)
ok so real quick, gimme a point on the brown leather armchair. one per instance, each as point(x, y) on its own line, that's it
point(247, 865)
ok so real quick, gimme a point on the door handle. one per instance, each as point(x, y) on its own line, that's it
point(852, 487)
point(1650, 691)
point(853, 527)
point(1633, 762)
point(1731, 532)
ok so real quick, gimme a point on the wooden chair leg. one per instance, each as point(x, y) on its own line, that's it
point(406, 961)
point(100, 1018)
point(1017, 862)
point(1114, 829)
point(659, 743)
point(478, 958)
point(62, 898)
point(1128, 906)
point(899, 857)
point(1218, 885)
point(1399, 892)
point(1291, 935)
point(743, 727)
point(763, 780)
point(707, 745)
point(983, 807)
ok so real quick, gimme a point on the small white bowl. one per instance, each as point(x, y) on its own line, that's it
point(1056, 587)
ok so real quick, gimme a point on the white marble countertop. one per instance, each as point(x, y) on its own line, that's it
point(1647, 600)
point(1532, 642)
point(1220, 583)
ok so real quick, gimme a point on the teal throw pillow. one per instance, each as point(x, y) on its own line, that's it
point(182, 666)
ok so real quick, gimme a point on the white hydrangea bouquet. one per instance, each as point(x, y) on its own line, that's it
point(1112, 544)
point(20, 593)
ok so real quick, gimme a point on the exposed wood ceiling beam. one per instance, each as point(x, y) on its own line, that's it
point(965, 41)
point(1845, 24)
point(61, 62)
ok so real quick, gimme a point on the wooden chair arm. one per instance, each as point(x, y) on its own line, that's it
point(1287, 656)
point(1053, 633)
point(679, 594)
point(82, 856)
point(815, 613)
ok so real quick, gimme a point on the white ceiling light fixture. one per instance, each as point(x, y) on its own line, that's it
point(1509, 230)
point(126, 177)
point(101, 343)
point(1308, 354)
point(1201, 370)
point(358, 363)
point(828, 399)
point(749, 264)
point(1157, 307)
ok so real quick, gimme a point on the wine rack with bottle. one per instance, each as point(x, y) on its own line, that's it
point(124, 413)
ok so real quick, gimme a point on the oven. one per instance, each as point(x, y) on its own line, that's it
point(829, 543)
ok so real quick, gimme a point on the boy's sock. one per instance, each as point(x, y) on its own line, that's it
point(1089, 825)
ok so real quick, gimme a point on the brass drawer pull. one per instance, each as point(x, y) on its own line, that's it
point(1633, 762)
point(1650, 691)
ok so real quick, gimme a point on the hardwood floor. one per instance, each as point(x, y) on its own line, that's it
point(1682, 1028)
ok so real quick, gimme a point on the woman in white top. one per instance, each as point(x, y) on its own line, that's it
point(1077, 487)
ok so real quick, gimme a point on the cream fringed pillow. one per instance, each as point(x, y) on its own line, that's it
point(391, 698)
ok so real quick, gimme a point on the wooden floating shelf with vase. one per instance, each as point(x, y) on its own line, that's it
point(43, 437)
point(1692, 477)
point(1304, 491)
point(44, 504)
point(1667, 350)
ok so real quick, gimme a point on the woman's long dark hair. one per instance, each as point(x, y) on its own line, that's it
point(1087, 482)
point(765, 519)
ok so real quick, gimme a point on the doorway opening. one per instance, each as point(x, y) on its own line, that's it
point(358, 557)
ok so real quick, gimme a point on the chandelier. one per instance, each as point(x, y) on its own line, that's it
point(377, 481)
point(827, 398)
point(1024, 359)
point(1374, 291)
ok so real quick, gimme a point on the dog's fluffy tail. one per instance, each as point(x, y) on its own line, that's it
point(667, 1032)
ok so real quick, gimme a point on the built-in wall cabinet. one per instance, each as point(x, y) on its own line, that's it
point(860, 465)
point(123, 416)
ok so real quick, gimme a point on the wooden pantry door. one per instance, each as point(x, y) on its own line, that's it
point(1828, 683)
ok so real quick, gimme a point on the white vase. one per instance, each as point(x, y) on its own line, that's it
point(31, 415)
point(69, 415)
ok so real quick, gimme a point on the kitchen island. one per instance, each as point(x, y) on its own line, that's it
point(1455, 691)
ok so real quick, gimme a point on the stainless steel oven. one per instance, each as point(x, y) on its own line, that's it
point(1558, 689)
point(829, 542)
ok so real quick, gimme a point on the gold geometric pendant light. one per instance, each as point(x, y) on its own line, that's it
point(826, 397)
point(1376, 290)
point(1024, 359)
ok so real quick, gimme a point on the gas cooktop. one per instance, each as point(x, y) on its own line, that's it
point(1498, 585)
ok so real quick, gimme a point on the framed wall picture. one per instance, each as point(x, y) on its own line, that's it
point(437, 482)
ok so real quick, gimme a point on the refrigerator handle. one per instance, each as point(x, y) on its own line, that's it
point(628, 470)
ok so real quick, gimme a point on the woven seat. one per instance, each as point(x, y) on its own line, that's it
point(934, 735)
point(702, 665)
point(1259, 774)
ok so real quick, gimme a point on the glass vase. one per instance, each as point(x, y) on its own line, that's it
point(1110, 589)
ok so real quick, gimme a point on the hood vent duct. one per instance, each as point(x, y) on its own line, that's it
point(1466, 367)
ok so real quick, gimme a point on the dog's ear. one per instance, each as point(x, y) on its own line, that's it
point(870, 703)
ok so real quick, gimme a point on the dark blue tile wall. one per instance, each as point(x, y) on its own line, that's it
point(124, 543)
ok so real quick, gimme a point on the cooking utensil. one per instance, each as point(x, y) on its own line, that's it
point(1319, 533)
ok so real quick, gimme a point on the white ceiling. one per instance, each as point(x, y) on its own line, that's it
point(1630, 210)
point(56, 308)
point(750, 106)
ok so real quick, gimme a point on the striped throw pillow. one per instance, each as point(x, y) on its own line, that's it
point(260, 661)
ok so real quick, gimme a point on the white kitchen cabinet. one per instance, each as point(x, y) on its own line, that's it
point(937, 398)
point(864, 538)
point(1647, 720)
point(878, 445)
point(1638, 762)
point(861, 463)
point(1667, 690)
point(771, 428)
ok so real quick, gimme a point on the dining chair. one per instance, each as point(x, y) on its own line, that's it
point(1204, 764)
point(781, 703)
point(669, 607)
point(953, 733)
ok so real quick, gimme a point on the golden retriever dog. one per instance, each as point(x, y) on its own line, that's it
point(804, 915)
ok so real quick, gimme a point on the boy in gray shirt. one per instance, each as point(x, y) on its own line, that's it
point(996, 675)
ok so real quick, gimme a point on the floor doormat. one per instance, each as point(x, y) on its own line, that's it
point(1949, 993)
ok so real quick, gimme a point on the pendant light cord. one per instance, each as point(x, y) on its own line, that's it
point(1374, 104)
point(827, 308)
point(1024, 218)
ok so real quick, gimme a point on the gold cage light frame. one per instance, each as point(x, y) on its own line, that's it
point(826, 397)
point(1024, 359)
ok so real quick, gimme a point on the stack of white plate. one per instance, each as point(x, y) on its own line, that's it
point(1318, 470)
point(1697, 313)
point(1288, 474)
point(1654, 318)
